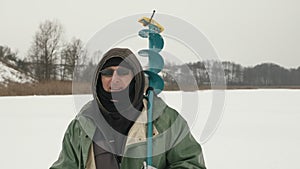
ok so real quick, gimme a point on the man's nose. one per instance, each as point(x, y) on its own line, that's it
point(115, 77)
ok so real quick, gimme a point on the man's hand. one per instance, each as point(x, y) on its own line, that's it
point(145, 166)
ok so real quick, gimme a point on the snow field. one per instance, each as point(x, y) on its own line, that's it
point(258, 129)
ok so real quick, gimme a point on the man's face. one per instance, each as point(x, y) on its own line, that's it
point(116, 78)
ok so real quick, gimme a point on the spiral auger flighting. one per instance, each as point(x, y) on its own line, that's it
point(156, 64)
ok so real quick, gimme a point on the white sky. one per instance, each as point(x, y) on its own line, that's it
point(246, 32)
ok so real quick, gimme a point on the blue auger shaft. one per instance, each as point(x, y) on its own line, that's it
point(149, 128)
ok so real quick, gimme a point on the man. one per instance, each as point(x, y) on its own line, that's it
point(110, 131)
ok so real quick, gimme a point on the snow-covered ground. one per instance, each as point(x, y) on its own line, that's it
point(9, 74)
point(258, 129)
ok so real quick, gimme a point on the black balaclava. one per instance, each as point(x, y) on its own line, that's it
point(121, 96)
point(121, 114)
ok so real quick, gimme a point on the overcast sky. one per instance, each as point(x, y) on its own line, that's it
point(246, 32)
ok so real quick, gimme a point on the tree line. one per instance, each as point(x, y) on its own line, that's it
point(51, 58)
point(208, 72)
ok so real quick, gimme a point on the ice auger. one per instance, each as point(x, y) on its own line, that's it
point(156, 64)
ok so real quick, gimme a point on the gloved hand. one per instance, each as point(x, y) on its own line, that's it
point(145, 166)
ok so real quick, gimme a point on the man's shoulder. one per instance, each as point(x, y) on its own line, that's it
point(164, 115)
point(82, 122)
point(87, 107)
point(161, 106)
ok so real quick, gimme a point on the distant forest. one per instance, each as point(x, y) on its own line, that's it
point(262, 75)
point(202, 72)
point(52, 59)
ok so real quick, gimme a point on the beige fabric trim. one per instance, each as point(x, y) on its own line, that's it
point(138, 131)
point(90, 164)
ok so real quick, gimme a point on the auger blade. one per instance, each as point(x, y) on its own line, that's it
point(156, 62)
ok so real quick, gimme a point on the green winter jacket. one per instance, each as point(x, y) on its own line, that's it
point(173, 144)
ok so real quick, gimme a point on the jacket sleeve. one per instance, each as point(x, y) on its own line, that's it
point(68, 157)
point(186, 155)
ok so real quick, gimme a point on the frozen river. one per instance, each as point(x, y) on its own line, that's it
point(257, 129)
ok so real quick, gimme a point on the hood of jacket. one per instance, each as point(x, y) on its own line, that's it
point(138, 80)
point(120, 115)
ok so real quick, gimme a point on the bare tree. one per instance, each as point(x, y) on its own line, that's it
point(71, 55)
point(7, 54)
point(44, 51)
point(11, 59)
